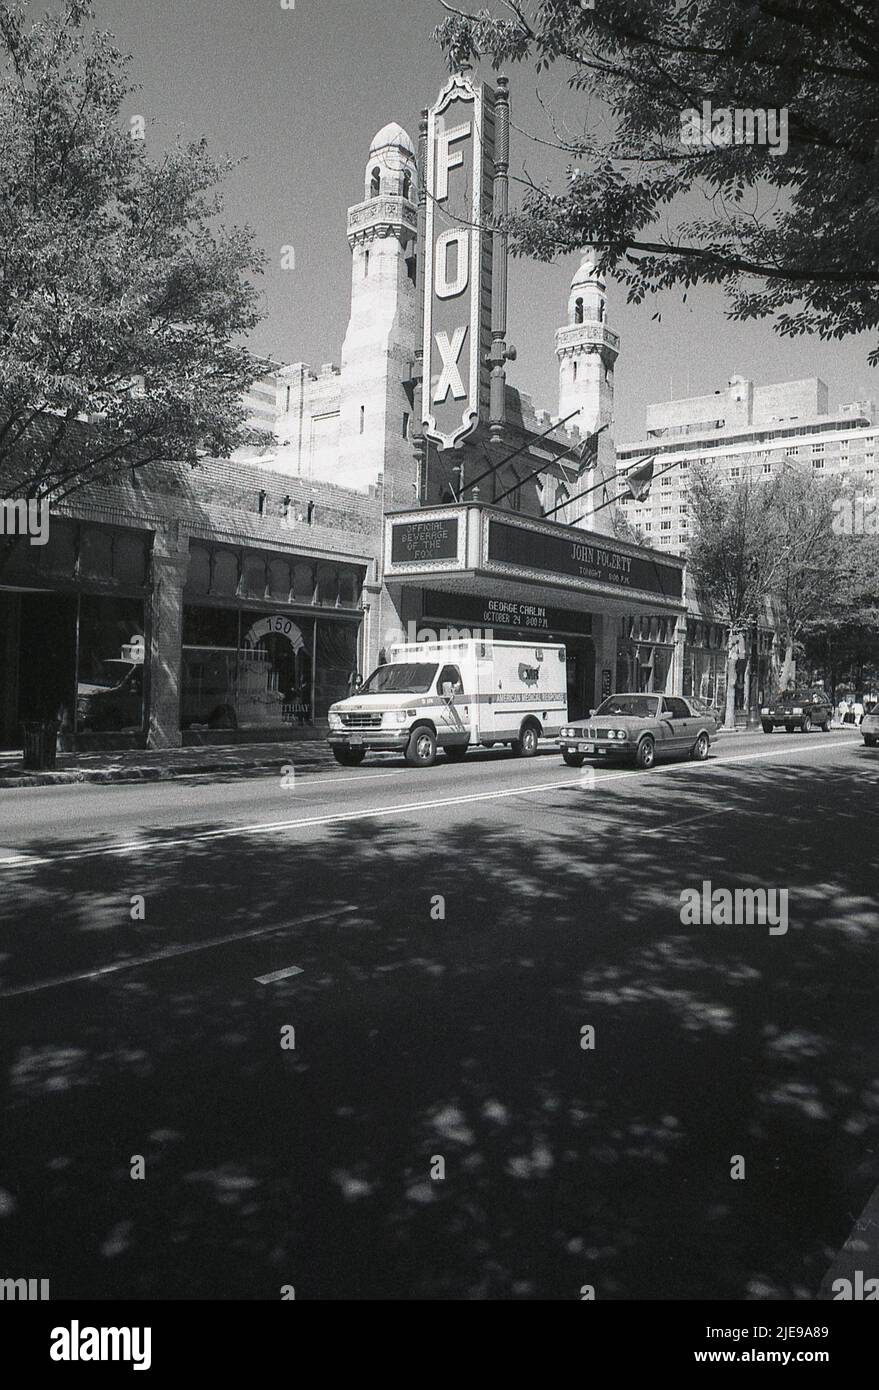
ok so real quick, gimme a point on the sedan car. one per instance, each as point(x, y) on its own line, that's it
point(640, 729)
point(870, 726)
point(705, 707)
point(802, 709)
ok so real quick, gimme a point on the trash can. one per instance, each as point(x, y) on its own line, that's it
point(40, 744)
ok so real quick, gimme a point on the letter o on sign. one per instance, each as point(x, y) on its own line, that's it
point(445, 288)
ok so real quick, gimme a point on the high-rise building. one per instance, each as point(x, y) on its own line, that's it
point(745, 428)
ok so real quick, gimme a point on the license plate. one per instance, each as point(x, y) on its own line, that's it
point(585, 747)
point(355, 743)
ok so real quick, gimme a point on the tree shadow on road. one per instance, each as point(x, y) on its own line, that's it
point(433, 1036)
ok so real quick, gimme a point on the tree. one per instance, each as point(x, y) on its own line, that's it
point(843, 636)
point(121, 298)
point(732, 559)
point(807, 553)
point(787, 157)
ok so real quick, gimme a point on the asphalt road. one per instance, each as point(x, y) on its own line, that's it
point(438, 940)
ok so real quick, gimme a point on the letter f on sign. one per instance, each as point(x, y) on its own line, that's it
point(450, 377)
point(446, 160)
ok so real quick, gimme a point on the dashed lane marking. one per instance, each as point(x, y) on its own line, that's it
point(137, 961)
point(278, 975)
point(407, 808)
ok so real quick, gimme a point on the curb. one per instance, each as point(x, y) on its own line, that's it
point(137, 774)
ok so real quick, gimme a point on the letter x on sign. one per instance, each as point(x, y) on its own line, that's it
point(450, 377)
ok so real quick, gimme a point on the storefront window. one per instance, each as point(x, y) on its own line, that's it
point(336, 662)
point(109, 693)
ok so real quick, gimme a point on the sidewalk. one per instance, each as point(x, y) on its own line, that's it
point(139, 765)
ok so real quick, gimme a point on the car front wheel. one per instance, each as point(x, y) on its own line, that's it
point(869, 740)
point(701, 747)
point(573, 759)
point(767, 728)
point(807, 724)
point(646, 754)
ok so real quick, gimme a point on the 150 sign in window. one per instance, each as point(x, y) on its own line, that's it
point(457, 279)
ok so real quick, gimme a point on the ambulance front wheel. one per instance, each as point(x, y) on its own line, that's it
point(349, 757)
point(421, 751)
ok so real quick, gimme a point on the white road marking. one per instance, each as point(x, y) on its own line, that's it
point(384, 812)
point(704, 815)
point(278, 975)
point(171, 953)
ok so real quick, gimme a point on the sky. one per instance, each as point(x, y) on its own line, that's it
point(297, 94)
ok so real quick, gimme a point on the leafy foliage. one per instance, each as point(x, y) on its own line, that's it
point(792, 235)
point(121, 298)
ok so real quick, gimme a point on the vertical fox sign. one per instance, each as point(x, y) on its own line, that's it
point(457, 253)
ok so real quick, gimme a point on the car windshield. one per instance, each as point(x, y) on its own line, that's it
point(110, 673)
point(406, 678)
point(637, 706)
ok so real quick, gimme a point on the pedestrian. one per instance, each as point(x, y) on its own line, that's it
point(842, 710)
point(858, 709)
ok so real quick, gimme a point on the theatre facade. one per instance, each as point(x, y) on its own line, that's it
point(411, 489)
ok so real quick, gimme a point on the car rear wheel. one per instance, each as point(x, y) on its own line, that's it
point(646, 754)
point(421, 751)
point(456, 754)
point(807, 724)
point(525, 746)
point(767, 728)
point(349, 757)
point(825, 727)
point(573, 759)
point(700, 748)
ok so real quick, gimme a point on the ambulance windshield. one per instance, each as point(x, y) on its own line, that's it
point(407, 678)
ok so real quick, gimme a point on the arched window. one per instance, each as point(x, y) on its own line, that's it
point(575, 369)
point(375, 183)
point(578, 311)
point(407, 184)
point(601, 307)
point(366, 263)
point(362, 417)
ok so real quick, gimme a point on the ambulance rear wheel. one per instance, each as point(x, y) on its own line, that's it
point(525, 746)
point(456, 754)
point(421, 751)
point(349, 757)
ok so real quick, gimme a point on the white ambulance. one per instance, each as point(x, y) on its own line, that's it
point(454, 696)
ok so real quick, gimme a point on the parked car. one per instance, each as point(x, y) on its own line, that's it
point(640, 729)
point(705, 707)
point(113, 698)
point(870, 726)
point(802, 709)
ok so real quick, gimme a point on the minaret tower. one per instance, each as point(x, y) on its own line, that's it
point(379, 348)
point(587, 351)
